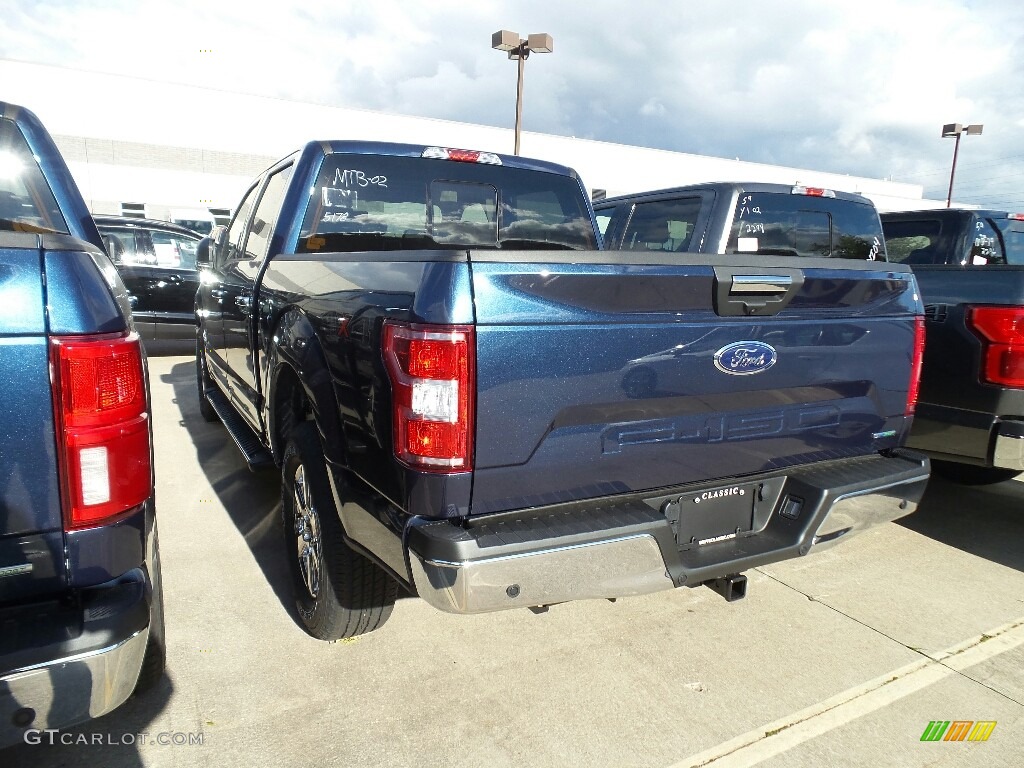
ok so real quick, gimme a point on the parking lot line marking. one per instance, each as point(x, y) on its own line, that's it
point(782, 735)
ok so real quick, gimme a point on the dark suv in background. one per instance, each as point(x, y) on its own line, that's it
point(157, 262)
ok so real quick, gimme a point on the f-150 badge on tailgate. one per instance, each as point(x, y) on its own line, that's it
point(743, 358)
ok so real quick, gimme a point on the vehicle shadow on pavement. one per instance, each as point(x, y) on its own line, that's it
point(987, 521)
point(251, 499)
point(116, 740)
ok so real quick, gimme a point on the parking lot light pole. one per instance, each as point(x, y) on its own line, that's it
point(957, 129)
point(518, 48)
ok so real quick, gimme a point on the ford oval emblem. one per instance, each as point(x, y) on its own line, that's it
point(744, 358)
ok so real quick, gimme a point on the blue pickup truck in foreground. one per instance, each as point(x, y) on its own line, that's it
point(430, 345)
point(81, 611)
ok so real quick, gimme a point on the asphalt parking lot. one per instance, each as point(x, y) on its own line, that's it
point(842, 658)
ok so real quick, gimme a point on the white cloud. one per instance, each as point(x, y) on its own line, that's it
point(653, 108)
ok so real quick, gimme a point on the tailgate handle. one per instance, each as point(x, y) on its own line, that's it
point(746, 284)
point(739, 292)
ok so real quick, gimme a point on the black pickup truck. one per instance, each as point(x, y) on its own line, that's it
point(81, 607)
point(454, 381)
point(754, 218)
point(970, 268)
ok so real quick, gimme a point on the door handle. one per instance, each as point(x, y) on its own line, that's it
point(760, 284)
point(742, 292)
point(244, 303)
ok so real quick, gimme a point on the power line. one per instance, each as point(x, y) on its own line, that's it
point(964, 166)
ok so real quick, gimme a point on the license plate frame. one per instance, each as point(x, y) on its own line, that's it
point(714, 515)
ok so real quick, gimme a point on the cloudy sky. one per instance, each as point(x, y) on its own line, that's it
point(857, 87)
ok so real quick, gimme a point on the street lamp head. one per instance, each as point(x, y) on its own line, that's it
point(540, 43)
point(951, 130)
point(503, 40)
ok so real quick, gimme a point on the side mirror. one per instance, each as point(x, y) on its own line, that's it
point(203, 252)
point(211, 245)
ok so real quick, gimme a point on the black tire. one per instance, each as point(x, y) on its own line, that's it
point(971, 474)
point(338, 592)
point(203, 381)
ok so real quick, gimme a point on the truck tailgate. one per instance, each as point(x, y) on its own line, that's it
point(31, 534)
point(609, 373)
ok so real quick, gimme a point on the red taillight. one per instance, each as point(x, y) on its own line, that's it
point(99, 397)
point(432, 381)
point(914, 389)
point(1015, 216)
point(1001, 330)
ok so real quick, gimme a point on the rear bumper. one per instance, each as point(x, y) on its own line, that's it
point(627, 546)
point(964, 436)
point(1009, 446)
point(67, 665)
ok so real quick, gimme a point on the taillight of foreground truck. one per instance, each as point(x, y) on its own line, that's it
point(433, 379)
point(1001, 330)
point(915, 365)
point(102, 419)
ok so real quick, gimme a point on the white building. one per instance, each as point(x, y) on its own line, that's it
point(175, 151)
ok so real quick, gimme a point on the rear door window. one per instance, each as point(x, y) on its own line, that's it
point(914, 241)
point(779, 224)
point(121, 245)
point(663, 225)
point(174, 250)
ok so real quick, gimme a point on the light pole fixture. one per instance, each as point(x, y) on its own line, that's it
point(957, 129)
point(518, 48)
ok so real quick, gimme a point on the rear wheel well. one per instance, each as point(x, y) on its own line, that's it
point(290, 407)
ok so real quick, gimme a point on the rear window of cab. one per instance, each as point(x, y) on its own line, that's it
point(778, 224)
point(382, 202)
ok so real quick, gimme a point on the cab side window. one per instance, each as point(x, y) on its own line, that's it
point(665, 225)
point(258, 243)
point(232, 250)
point(914, 241)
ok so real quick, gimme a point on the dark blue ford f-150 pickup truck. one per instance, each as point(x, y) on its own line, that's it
point(431, 347)
point(81, 612)
point(970, 268)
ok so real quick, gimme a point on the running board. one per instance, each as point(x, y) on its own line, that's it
point(253, 451)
